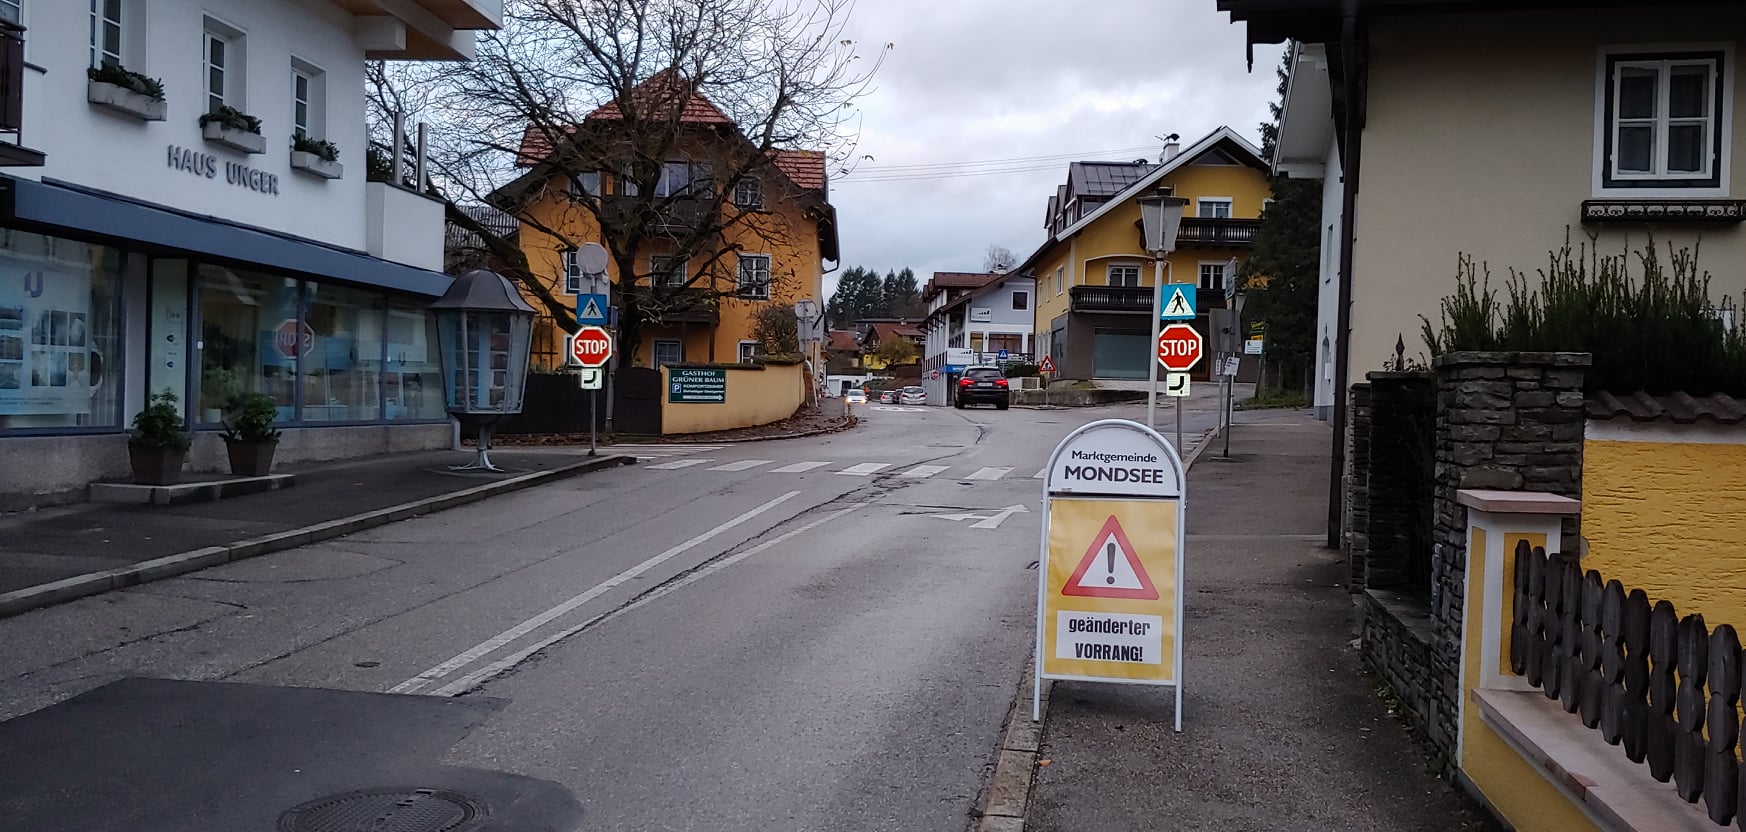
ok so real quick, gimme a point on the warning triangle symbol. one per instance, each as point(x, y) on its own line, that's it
point(591, 311)
point(1178, 305)
point(1048, 366)
point(1111, 568)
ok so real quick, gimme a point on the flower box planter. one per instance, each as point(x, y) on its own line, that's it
point(123, 100)
point(234, 139)
point(250, 459)
point(156, 466)
point(315, 165)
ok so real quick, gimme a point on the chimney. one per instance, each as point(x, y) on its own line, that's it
point(1171, 148)
point(1000, 268)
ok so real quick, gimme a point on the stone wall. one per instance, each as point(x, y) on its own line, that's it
point(1397, 643)
point(1402, 415)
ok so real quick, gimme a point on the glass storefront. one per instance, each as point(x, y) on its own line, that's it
point(250, 340)
point(413, 381)
point(342, 371)
point(60, 333)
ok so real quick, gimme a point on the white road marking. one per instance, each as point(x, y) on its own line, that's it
point(677, 464)
point(742, 465)
point(1041, 473)
point(486, 647)
point(641, 451)
point(920, 472)
point(991, 520)
point(484, 674)
point(798, 467)
point(989, 474)
point(865, 469)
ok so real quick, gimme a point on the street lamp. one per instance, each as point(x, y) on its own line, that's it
point(483, 337)
point(1160, 217)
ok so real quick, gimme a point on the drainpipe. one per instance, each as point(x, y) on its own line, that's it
point(1353, 63)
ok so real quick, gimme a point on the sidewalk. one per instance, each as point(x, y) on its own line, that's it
point(63, 543)
point(1281, 728)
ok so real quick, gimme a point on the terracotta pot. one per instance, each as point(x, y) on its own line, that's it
point(156, 466)
point(250, 459)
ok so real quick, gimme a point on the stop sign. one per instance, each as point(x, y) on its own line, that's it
point(293, 338)
point(591, 346)
point(1179, 348)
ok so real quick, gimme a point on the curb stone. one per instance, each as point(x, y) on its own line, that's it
point(79, 586)
point(1007, 796)
point(847, 422)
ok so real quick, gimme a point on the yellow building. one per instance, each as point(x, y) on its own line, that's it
point(1094, 277)
point(777, 228)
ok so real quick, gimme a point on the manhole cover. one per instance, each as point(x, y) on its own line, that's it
point(386, 810)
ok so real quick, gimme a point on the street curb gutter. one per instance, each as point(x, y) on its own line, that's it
point(1008, 796)
point(79, 586)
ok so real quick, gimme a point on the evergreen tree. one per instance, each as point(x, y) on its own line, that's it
point(900, 295)
point(1282, 273)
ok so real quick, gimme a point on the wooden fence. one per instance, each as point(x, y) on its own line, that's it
point(1646, 678)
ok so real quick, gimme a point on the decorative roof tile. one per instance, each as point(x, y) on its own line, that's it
point(1678, 408)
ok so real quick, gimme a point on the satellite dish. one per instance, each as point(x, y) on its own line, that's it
point(591, 258)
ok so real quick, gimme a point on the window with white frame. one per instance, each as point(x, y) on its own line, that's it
point(308, 100)
point(754, 282)
point(1124, 275)
point(1662, 120)
point(572, 272)
point(12, 10)
point(587, 182)
point(627, 182)
point(1213, 207)
point(667, 270)
point(680, 177)
point(105, 32)
point(1060, 279)
point(748, 351)
point(224, 66)
point(749, 193)
point(668, 352)
point(1021, 300)
point(1212, 276)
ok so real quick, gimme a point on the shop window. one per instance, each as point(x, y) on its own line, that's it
point(412, 381)
point(60, 333)
point(342, 365)
point(251, 336)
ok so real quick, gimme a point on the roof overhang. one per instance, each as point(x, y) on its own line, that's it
point(1250, 153)
point(404, 30)
point(1306, 120)
point(1318, 21)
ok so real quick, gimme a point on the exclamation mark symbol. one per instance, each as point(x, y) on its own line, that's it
point(1109, 558)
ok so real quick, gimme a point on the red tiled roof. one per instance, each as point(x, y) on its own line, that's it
point(1678, 408)
point(883, 331)
point(942, 281)
point(806, 168)
point(842, 339)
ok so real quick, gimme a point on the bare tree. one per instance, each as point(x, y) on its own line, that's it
point(571, 94)
point(998, 258)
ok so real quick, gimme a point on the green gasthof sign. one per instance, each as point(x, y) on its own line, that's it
point(696, 386)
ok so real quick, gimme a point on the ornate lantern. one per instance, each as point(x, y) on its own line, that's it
point(483, 336)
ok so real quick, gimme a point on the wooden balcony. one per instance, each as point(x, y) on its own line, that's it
point(671, 218)
point(1200, 231)
point(1136, 299)
point(13, 154)
point(678, 306)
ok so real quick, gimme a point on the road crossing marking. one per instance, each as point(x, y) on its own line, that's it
point(989, 474)
point(923, 471)
point(798, 467)
point(742, 465)
point(1041, 472)
point(865, 469)
point(679, 463)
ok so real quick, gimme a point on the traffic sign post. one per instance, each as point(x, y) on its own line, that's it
point(1179, 302)
point(591, 348)
point(1046, 369)
point(1180, 347)
point(591, 310)
point(1110, 576)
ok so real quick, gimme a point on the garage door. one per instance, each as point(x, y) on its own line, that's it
point(1119, 353)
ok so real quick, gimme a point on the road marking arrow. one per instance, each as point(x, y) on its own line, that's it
point(990, 520)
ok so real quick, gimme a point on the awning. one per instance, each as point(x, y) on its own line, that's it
point(70, 210)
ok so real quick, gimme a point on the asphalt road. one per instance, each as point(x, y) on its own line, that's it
point(808, 634)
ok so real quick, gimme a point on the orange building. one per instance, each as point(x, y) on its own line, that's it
point(776, 229)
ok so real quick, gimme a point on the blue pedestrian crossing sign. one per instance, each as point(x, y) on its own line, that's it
point(591, 310)
point(1178, 304)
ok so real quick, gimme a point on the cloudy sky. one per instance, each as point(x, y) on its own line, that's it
point(978, 80)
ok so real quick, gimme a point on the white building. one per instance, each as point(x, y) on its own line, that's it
point(142, 251)
point(974, 318)
point(1306, 150)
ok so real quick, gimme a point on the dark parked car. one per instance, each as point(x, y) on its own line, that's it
point(983, 385)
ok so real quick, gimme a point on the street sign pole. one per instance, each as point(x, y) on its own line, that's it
point(1157, 315)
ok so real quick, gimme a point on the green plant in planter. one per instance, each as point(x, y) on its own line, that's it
point(159, 425)
point(327, 151)
point(233, 119)
point(248, 417)
point(113, 73)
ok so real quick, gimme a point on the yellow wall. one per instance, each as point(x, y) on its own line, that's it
point(785, 231)
point(754, 397)
point(1669, 518)
point(1115, 237)
point(1499, 167)
point(1513, 786)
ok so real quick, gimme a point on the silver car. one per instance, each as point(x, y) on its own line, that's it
point(913, 395)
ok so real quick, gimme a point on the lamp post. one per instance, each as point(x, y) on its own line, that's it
point(1232, 339)
point(483, 338)
point(1160, 217)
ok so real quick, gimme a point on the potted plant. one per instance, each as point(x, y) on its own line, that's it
point(218, 385)
point(158, 446)
point(234, 129)
point(117, 88)
point(249, 435)
point(316, 157)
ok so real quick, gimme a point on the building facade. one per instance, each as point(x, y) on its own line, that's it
point(1094, 279)
point(974, 319)
point(142, 251)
